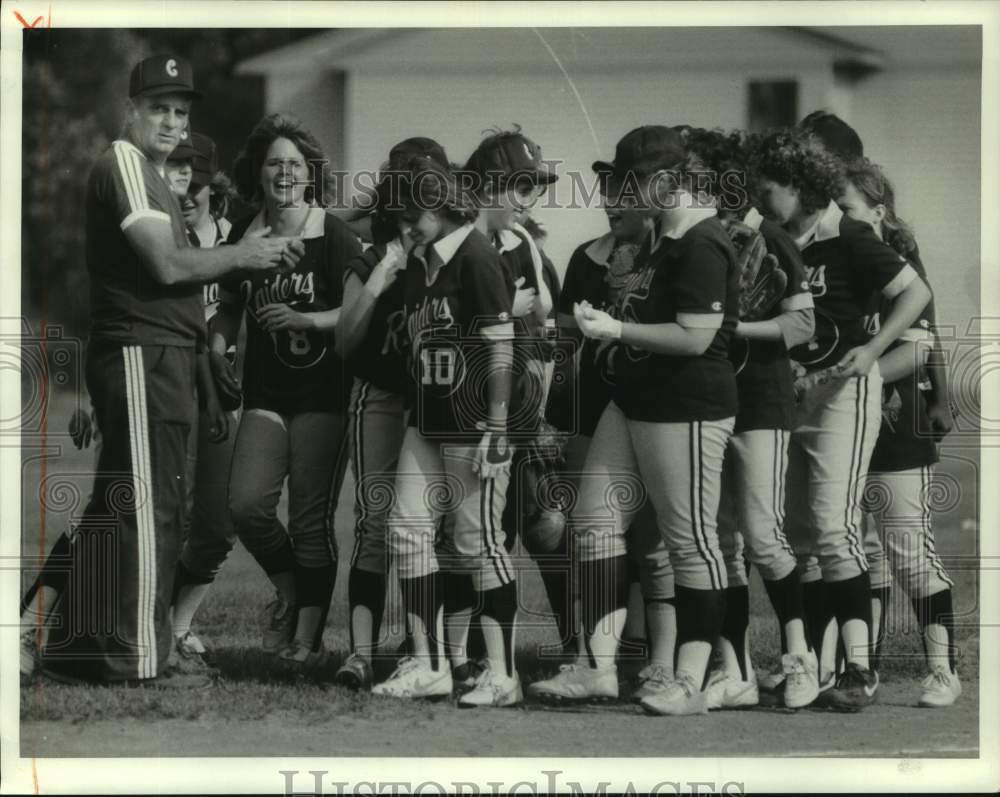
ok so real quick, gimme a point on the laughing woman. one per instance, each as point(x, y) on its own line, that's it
point(295, 388)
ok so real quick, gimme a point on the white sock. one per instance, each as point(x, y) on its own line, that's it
point(189, 599)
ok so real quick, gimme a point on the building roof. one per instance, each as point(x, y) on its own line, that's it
point(583, 49)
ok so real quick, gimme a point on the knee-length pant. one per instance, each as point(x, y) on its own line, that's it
point(678, 468)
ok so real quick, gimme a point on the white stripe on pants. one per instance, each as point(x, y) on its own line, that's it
point(142, 481)
point(678, 466)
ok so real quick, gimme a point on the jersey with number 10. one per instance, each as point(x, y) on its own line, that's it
point(295, 371)
point(447, 336)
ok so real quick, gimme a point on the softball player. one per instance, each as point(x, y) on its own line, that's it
point(902, 465)
point(597, 272)
point(455, 460)
point(368, 338)
point(505, 177)
point(752, 508)
point(147, 322)
point(295, 389)
point(837, 422)
point(203, 193)
point(671, 414)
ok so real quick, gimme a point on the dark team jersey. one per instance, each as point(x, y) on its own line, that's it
point(378, 358)
point(451, 317)
point(127, 303)
point(847, 265)
point(905, 439)
point(691, 280)
point(764, 378)
point(596, 273)
point(295, 370)
point(518, 255)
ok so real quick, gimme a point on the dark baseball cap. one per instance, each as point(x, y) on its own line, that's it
point(200, 150)
point(509, 154)
point(162, 74)
point(644, 151)
point(417, 147)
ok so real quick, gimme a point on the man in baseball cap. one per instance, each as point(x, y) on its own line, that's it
point(162, 74)
point(641, 153)
point(147, 324)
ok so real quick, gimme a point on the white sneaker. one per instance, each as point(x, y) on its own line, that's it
point(413, 678)
point(725, 691)
point(493, 689)
point(577, 682)
point(652, 678)
point(941, 688)
point(278, 622)
point(681, 697)
point(771, 682)
point(801, 673)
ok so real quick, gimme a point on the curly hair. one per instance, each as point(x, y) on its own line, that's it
point(423, 184)
point(875, 187)
point(724, 157)
point(246, 169)
point(793, 158)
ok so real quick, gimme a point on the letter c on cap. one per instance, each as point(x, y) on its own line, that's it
point(171, 67)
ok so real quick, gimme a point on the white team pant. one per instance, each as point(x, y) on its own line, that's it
point(828, 459)
point(752, 510)
point(435, 480)
point(678, 466)
point(898, 532)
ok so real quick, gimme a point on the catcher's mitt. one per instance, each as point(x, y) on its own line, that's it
point(762, 280)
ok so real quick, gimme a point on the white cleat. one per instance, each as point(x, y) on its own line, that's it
point(493, 689)
point(413, 678)
point(801, 673)
point(724, 691)
point(681, 698)
point(941, 688)
point(578, 682)
point(652, 678)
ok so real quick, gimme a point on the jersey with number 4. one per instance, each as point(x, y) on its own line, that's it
point(292, 371)
point(448, 318)
point(847, 266)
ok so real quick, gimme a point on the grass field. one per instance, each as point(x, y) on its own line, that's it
point(255, 710)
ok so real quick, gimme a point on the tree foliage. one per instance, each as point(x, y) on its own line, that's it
point(75, 83)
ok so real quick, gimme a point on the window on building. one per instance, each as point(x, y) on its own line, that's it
point(771, 104)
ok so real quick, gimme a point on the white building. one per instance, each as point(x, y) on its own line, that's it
point(913, 93)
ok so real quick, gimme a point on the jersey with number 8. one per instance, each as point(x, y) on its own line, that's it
point(295, 370)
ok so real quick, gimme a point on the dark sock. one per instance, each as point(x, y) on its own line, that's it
point(878, 634)
point(368, 590)
point(700, 615)
point(314, 587)
point(785, 595)
point(736, 623)
point(500, 605)
point(851, 600)
point(604, 590)
point(817, 611)
point(937, 609)
point(458, 595)
point(53, 574)
point(422, 597)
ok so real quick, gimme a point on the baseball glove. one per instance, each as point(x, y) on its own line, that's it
point(544, 524)
point(762, 280)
